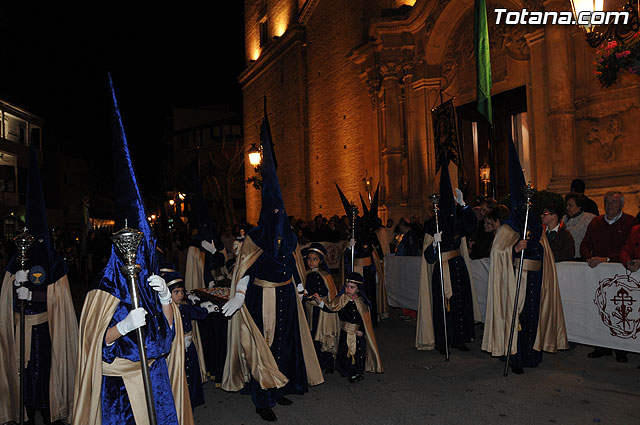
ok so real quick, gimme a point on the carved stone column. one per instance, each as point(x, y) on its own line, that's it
point(392, 151)
point(561, 114)
point(536, 107)
point(427, 92)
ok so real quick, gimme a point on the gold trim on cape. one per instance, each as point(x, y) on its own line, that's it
point(98, 309)
point(248, 354)
point(63, 330)
point(374, 360)
point(552, 334)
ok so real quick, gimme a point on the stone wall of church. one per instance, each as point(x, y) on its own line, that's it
point(349, 96)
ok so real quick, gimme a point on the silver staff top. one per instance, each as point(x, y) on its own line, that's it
point(127, 240)
point(435, 199)
point(23, 241)
point(529, 191)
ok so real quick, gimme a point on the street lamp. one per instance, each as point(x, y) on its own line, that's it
point(255, 156)
point(485, 176)
point(607, 31)
point(172, 202)
point(367, 186)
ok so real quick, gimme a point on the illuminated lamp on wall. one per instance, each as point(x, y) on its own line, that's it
point(255, 156)
point(485, 176)
point(596, 33)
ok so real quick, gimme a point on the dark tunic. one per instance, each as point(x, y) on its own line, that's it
point(38, 370)
point(314, 284)
point(191, 364)
point(526, 355)
point(345, 364)
point(286, 346)
point(369, 276)
point(460, 321)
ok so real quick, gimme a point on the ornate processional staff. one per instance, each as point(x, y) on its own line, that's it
point(127, 241)
point(435, 200)
point(529, 191)
point(354, 212)
point(23, 242)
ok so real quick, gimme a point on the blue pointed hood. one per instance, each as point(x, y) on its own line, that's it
point(128, 205)
point(273, 233)
point(41, 252)
point(518, 199)
point(447, 205)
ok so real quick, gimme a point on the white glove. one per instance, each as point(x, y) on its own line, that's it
point(133, 321)
point(301, 290)
point(233, 304)
point(352, 243)
point(459, 198)
point(23, 293)
point(22, 276)
point(193, 298)
point(236, 302)
point(211, 284)
point(437, 238)
point(209, 306)
point(160, 286)
point(209, 246)
point(187, 341)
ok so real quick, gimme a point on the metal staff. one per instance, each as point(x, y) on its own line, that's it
point(23, 242)
point(528, 193)
point(127, 241)
point(435, 200)
point(354, 212)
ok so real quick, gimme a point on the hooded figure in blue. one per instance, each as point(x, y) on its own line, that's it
point(456, 221)
point(109, 380)
point(539, 290)
point(266, 309)
point(50, 345)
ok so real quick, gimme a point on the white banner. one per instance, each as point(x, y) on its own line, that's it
point(402, 279)
point(601, 305)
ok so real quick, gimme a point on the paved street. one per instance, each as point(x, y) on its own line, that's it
point(421, 388)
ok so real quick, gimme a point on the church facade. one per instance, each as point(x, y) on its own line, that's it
point(350, 87)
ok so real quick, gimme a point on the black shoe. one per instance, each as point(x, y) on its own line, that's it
point(599, 352)
point(352, 379)
point(266, 414)
point(329, 370)
point(621, 357)
point(283, 401)
point(462, 347)
point(517, 369)
point(442, 351)
point(359, 377)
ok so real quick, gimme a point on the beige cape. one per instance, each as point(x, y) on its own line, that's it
point(382, 302)
point(552, 334)
point(328, 327)
point(63, 329)
point(374, 361)
point(99, 307)
point(248, 354)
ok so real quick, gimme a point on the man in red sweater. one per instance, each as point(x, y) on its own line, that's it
point(603, 243)
point(607, 233)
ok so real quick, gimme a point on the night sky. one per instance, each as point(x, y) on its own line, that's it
point(55, 59)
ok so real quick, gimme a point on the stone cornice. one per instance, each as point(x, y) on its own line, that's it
point(412, 23)
point(294, 36)
point(306, 11)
